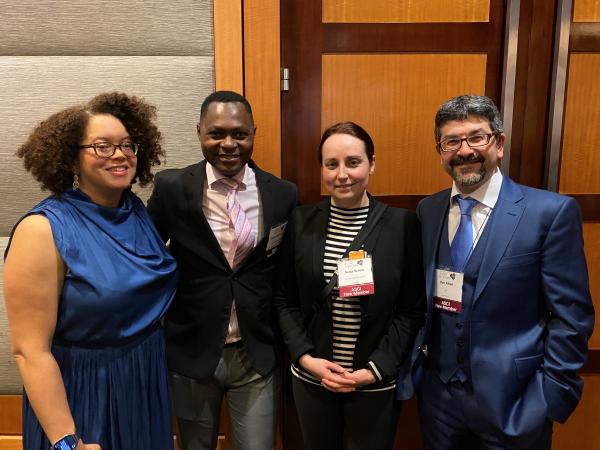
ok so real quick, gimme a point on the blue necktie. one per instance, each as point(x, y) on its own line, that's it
point(463, 239)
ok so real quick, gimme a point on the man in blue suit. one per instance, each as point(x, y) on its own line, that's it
point(509, 308)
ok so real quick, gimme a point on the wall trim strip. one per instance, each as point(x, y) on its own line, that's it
point(511, 43)
point(557, 94)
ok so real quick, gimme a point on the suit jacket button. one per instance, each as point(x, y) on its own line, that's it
point(459, 325)
point(460, 342)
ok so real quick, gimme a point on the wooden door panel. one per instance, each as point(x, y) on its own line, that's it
point(409, 11)
point(580, 165)
point(394, 97)
point(586, 11)
point(591, 239)
point(581, 430)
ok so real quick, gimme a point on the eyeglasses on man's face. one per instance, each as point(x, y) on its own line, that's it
point(454, 144)
point(108, 149)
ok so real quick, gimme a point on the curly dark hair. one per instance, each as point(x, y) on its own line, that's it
point(51, 150)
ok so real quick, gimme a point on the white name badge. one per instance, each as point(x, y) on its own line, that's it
point(355, 277)
point(447, 294)
point(275, 238)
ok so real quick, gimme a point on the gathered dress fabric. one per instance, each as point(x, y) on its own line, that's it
point(108, 342)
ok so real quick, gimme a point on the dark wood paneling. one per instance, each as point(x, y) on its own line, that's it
point(590, 206)
point(584, 37)
point(532, 92)
point(406, 37)
point(495, 50)
point(593, 362)
point(301, 127)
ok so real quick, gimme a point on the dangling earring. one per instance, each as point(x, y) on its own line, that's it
point(75, 181)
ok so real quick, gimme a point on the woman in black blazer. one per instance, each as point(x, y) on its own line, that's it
point(347, 350)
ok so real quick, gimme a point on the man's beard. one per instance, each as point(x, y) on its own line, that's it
point(470, 178)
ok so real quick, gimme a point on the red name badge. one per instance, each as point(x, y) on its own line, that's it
point(357, 290)
point(447, 305)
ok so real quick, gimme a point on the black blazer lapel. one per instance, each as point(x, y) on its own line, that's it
point(366, 237)
point(370, 242)
point(267, 201)
point(319, 234)
point(193, 182)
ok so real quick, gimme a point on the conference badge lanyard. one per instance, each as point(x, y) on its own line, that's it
point(355, 275)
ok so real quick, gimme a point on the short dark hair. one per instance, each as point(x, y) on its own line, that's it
point(352, 129)
point(463, 106)
point(224, 97)
point(52, 150)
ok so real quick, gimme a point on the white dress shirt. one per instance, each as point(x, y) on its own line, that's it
point(214, 206)
point(486, 195)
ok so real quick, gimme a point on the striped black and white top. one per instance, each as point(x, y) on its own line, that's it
point(343, 226)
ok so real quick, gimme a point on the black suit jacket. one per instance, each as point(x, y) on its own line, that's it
point(391, 316)
point(197, 322)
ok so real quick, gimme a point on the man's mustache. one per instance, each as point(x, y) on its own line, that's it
point(467, 159)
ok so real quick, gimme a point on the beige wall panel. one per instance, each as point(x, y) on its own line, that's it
point(106, 27)
point(35, 87)
point(229, 52)
point(262, 79)
point(580, 164)
point(591, 238)
point(10, 380)
point(395, 97)
point(578, 432)
point(406, 11)
point(586, 11)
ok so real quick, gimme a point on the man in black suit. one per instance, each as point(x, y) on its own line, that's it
point(224, 218)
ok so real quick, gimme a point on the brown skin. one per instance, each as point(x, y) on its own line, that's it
point(34, 270)
point(33, 279)
point(104, 179)
point(50, 152)
point(226, 134)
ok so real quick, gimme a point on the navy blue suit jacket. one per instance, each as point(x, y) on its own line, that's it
point(532, 313)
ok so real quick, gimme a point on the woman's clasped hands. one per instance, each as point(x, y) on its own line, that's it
point(334, 377)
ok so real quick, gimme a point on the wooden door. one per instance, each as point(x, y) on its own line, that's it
point(386, 66)
point(574, 169)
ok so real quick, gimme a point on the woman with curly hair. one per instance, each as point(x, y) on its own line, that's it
point(87, 280)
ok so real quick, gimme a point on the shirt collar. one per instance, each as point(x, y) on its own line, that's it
point(486, 194)
point(213, 175)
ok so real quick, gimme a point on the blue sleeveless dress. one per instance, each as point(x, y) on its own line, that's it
point(108, 341)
